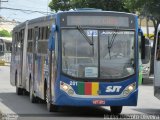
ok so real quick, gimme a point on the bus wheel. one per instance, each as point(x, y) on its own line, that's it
point(142, 80)
point(50, 106)
point(19, 91)
point(33, 99)
point(116, 109)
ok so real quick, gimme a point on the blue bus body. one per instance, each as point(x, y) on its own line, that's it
point(110, 99)
point(46, 75)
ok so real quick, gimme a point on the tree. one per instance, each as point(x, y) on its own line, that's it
point(56, 5)
point(149, 9)
point(111, 5)
point(4, 33)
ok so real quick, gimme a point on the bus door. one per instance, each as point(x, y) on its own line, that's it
point(53, 54)
point(35, 51)
point(157, 62)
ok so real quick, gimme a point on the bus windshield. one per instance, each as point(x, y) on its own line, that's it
point(110, 56)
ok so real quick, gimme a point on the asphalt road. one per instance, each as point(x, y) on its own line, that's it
point(13, 107)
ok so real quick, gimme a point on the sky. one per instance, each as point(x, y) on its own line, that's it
point(34, 5)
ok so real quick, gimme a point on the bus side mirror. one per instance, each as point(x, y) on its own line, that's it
point(143, 47)
point(51, 42)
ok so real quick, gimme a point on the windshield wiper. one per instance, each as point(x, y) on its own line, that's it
point(84, 35)
point(110, 43)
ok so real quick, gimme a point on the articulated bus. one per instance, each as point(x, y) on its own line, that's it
point(157, 65)
point(5, 50)
point(78, 58)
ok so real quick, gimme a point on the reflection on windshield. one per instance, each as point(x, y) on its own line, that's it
point(80, 59)
point(85, 35)
point(117, 63)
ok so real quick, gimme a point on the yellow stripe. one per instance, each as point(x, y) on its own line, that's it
point(95, 88)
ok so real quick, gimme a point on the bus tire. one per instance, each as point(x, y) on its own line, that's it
point(51, 107)
point(32, 98)
point(26, 93)
point(116, 109)
point(19, 91)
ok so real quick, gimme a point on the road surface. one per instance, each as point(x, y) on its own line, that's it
point(15, 107)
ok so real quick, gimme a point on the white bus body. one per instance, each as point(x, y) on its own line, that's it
point(157, 65)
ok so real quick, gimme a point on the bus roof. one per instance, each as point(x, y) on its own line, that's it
point(6, 39)
point(94, 10)
point(53, 16)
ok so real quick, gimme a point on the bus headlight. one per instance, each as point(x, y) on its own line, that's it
point(130, 88)
point(145, 69)
point(66, 88)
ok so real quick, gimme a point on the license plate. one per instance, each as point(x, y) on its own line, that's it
point(98, 102)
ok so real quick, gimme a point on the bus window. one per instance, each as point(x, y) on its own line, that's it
point(158, 48)
point(117, 51)
point(1, 48)
point(147, 52)
point(78, 54)
point(42, 47)
point(8, 47)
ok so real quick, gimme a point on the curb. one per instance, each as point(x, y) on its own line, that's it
point(6, 113)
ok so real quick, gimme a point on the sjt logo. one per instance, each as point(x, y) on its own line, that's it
point(113, 88)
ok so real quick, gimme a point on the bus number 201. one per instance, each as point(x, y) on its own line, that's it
point(73, 83)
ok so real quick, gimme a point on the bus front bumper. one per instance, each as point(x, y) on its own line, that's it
point(66, 100)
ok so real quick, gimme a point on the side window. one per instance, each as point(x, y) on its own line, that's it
point(139, 43)
point(15, 42)
point(43, 41)
point(1, 46)
point(158, 47)
point(47, 32)
point(42, 47)
point(30, 40)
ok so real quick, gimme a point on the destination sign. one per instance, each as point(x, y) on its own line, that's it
point(115, 21)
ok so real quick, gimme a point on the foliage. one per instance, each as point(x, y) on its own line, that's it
point(111, 5)
point(56, 5)
point(149, 9)
point(4, 33)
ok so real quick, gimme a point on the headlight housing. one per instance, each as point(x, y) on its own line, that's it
point(66, 88)
point(130, 88)
point(145, 69)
